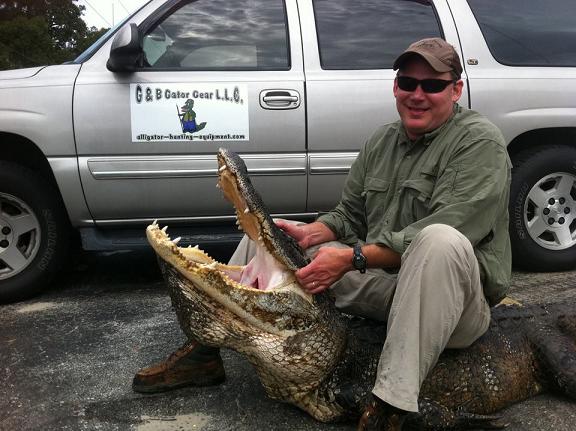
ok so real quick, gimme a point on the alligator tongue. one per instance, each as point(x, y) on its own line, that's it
point(264, 271)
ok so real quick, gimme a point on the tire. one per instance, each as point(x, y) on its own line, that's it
point(34, 232)
point(543, 209)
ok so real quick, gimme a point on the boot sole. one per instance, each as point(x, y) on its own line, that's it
point(198, 382)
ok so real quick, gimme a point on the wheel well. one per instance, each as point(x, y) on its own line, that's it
point(538, 137)
point(17, 149)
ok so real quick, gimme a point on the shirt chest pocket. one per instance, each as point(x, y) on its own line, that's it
point(415, 199)
point(375, 195)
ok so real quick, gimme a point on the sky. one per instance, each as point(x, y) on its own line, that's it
point(106, 13)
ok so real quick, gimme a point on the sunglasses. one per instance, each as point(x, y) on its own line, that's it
point(406, 83)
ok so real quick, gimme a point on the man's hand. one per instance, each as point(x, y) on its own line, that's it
point(296, 231)
point(307, 235)
point(331, 263)
point(327, 267)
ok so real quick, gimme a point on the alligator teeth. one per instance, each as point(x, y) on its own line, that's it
point(155, 223)
point(176, 240)
point(165, 228)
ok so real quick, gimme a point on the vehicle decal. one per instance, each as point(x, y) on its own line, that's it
point(204, 112)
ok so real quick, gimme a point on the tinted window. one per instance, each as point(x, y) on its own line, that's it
point(529, 32)
point(221, 35)
point(370, 34)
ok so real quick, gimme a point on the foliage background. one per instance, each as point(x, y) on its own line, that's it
point(42, 32)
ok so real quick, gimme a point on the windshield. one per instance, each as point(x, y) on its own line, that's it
point(102, 39)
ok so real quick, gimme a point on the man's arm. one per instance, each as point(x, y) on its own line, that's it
point(331, 263)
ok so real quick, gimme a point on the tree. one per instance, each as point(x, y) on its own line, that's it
point(38, 32)
point(24, 42)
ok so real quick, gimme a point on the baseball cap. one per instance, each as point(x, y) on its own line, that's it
point(439, 54)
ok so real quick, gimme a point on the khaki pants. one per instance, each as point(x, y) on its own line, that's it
point(435, 301)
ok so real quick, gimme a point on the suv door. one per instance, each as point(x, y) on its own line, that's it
point(217, 74)
point(349, 77)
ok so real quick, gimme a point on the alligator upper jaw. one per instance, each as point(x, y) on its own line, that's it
point(251, 213)
point(246, 219)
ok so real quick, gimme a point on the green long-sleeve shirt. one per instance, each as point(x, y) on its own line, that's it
point(458, 175)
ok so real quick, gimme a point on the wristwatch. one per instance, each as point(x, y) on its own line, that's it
point(358, 259)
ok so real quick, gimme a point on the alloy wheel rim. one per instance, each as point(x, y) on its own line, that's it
point(550, 211)
point(19, 235)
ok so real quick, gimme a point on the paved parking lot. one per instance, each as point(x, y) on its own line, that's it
point(67, 359)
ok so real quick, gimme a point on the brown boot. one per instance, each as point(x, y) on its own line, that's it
point(191, 365)
point(381, 416)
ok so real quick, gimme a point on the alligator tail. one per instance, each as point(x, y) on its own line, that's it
point(433, 416)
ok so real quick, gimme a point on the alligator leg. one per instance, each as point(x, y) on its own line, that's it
point(433, 416)
point(556, 350)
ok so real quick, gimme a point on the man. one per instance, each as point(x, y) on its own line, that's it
point(419, 238)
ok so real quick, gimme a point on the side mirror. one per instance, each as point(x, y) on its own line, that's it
point(126, 54)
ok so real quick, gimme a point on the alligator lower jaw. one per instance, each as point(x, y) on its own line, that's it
point(221, 283)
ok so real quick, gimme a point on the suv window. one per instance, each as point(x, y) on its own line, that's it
point(221, 35)
point(528, 32)
point(369, 34)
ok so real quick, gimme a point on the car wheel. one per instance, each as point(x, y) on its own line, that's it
point(543, 209)
point(34, 232)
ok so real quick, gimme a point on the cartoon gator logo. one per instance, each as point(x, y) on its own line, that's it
point(188, 118)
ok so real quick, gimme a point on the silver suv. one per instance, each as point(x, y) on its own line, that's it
point(128, 131)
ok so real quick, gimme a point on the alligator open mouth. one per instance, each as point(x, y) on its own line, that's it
point(267, 278)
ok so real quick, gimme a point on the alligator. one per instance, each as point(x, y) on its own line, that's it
point(308, 354)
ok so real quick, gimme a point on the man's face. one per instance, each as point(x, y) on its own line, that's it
point(422, 112)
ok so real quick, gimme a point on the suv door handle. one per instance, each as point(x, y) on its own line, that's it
point(279, 99)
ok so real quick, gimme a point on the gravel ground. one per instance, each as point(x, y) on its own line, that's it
point(67, 359)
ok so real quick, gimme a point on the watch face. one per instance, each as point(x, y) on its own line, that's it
point(359, 261)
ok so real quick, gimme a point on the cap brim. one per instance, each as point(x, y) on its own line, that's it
point(436, 64)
